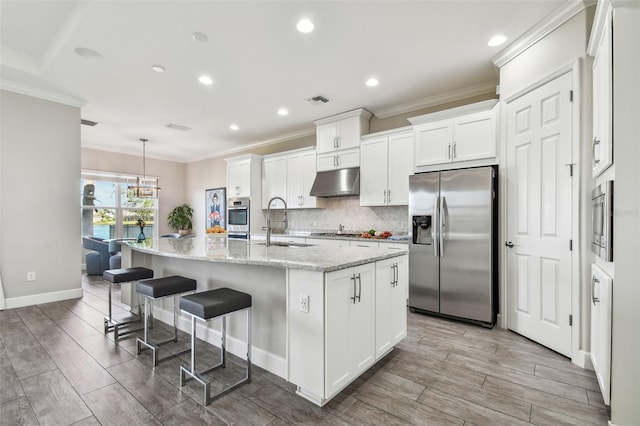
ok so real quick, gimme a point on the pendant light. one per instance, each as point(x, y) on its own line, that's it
point(144, 188)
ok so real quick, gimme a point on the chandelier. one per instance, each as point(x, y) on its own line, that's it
point(145, 188)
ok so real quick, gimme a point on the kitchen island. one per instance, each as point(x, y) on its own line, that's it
point(321, 315)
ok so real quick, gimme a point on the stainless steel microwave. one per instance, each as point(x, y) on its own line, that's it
point(602, 221)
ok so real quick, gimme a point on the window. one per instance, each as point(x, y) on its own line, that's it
point(110, 209)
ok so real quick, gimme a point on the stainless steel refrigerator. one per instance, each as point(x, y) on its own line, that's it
point(453, 243)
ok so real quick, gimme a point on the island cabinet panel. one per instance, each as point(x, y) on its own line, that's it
point(392, 276)
point(349, 313)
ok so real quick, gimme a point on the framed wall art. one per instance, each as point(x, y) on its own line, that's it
point(216, 207)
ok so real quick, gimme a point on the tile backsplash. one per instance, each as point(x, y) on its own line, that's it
point(346, 211)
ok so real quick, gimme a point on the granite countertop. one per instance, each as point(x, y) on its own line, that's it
point(222, 249)
point(347, 235)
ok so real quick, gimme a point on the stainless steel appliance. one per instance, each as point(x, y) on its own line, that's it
point(238, 217)
point(453, 244)
point(602, 221)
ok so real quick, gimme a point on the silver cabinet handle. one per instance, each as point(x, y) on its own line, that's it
point(454, 150)
point(353, 278)
point(449, 152)
point(596, 143)
point(385, 197)
point(594, 299)
point(338, 142)
point(388, 195)
point(338, 158)
point(359, 287)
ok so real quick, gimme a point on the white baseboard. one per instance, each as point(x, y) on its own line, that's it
point(36, 299)
point(583, 359)
point(263, 359)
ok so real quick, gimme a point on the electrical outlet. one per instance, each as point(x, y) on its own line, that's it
point(31, 276)
point(304, 303)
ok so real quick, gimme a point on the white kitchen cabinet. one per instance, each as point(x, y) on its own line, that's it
point(339, 159)
point(349, 316)
point(274, 178)
point(601, 298)
point(392, 276)
point(460, 134)
point(386, 161)
point(301, 172)
point(244, 176)
point(326, 242)
point(341, 131)
point(364, 244)
point(602, 146)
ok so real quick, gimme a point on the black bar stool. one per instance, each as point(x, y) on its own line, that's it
point(158, 288)
point(208, 305)
point(118, 277)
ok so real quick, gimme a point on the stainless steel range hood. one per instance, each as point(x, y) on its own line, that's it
point(337, 183)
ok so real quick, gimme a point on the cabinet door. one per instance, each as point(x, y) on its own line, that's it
point(239, 179)
point(327, 161)
point(348, 158)
point(601, 288)
point(349, 314)
point(373, 172)
point(349, 132)
point(474, 136)
point(433, 143)
point(274, 179)
point(308, 174)
point(294, 181)
point(400, 167)
point(391, 303)
point(602, 106)
point(326, 137)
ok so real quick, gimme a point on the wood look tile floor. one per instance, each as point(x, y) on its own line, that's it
point(57, 367)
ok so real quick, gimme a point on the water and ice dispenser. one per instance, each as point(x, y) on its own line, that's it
point(422, 230)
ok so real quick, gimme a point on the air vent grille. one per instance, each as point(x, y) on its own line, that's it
point(317, 100)
point(88, 122)
point(177, 127)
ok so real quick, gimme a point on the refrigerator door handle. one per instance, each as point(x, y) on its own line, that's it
point(434, 229)
point(441, 215)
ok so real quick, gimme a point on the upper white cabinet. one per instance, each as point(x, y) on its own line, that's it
point(386, 161)
point(602, 145)
point(601, 299)
point(244, 176)
point(301, 172)
point(290, 175)
point(342, 159)
point(274, 178)
point(341, 131)
point(460, 134)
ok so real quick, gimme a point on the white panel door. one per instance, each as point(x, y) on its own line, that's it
point(539, 214)
point(400, 167)
point(373, 172)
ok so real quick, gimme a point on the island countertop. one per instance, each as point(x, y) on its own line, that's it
point(224, 250)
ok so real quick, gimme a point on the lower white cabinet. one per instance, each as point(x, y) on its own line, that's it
point(601, 289)
point(392, 279)
point(349, 314)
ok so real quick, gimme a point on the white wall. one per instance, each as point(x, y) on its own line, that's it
point(561, 48)
point(40, 184)
point(625, 366)
point(171, 176)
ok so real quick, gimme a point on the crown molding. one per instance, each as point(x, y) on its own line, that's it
point(453, 112)
point(599, 21)
point(360, 112)
point(541, 30)
point(48, 95)
point(456, 95)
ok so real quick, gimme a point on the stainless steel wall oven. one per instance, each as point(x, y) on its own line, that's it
point(602, 221)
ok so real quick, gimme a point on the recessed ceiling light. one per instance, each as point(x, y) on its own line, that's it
point(304, 26)
point(87, 53)
point(198, 36)
point(497, 40)
point(372, 82)
point(157, 68)
point(283, 111)
point(206, 80)
point(234, 127)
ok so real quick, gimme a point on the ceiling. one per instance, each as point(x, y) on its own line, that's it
point(258, 61)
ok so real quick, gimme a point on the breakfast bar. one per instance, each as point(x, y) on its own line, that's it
point(322, 315)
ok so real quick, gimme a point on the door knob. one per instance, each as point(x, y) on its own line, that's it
point(509, 244)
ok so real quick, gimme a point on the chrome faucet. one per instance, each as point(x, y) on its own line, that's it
point(340, 229)
point(284, 219)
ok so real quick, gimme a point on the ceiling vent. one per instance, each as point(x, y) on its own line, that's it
point(177, 127)
point(317, 100)
point(88, 122)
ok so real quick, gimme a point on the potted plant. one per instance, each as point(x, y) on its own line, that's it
point(180, 219)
